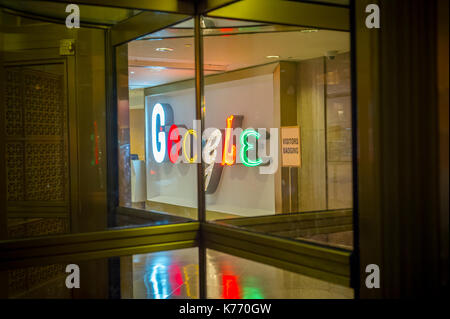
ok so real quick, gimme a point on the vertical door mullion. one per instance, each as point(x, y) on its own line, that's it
point(199, 116)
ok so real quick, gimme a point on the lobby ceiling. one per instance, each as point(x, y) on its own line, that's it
point(168, 56)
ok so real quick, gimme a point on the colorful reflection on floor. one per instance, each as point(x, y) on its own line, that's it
point(230, 277)
point(166, 275)
point(174, 275)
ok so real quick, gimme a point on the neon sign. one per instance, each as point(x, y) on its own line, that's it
point(213, 170)
point(168, 142)
point(174, 143)
point(190, 159)
point(246, 146)
point(174, 138)
point(162, 115)
point(229, 156)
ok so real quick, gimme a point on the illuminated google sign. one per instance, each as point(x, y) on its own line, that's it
point(227, 147)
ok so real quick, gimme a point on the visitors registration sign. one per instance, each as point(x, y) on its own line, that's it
point(290, 146)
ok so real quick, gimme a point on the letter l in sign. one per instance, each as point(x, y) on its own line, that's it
point(229, 148)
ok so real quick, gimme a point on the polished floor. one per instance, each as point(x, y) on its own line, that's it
point(168, 275)
point(174, 274)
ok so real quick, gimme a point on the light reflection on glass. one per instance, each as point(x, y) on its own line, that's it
point(231, 277)
point(252, 288)
point(175, 278)
point(156, 278)
point(191, 280)
point(230, 285)
point(166, 275)
point(174, 274)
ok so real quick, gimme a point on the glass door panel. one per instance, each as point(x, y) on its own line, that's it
point(278, 130)
point(157, 176)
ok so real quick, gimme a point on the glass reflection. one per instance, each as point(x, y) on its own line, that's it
point(165, 275)
point(231, 289)
point(252, 288)
point(169, 275)
point(157, 276)
point(230, 277)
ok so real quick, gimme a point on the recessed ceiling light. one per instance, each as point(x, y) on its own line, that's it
point(272, 56)
point(164, 49)
point(156, 68)
point(309, 30)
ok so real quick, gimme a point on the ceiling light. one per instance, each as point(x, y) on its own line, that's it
point(164, 49)
point(132, 72)
point(156, 68)
point(309, 30)
point(272, 56)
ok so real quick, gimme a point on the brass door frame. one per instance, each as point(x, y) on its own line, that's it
point(331, 17)
point(95, 245)
point(312, 260)
point(169, 6)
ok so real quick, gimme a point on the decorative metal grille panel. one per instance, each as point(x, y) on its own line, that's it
point(14, 171)
point(13, 105)
point(31, 227)
point(24, 280)
point(44, 171)
point(42, 104)
point(35, 128)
